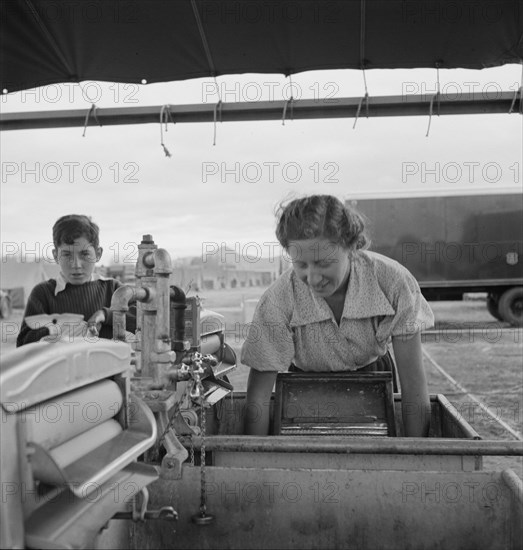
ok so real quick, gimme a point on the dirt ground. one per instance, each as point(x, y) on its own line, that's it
point(474, 360)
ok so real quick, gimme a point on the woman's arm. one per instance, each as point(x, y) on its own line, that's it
point(415, 401)
point(257, 408)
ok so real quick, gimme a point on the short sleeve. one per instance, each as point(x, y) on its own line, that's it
point(413, 313)
point(269, 345)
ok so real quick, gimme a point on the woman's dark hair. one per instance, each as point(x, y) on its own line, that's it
point(320, 216)
point(73, 226)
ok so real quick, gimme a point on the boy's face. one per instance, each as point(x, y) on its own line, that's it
point(77, 260)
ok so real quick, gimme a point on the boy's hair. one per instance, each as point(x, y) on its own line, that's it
point(73, 226)
point(320, 216)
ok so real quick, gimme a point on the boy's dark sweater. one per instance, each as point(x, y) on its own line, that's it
point(83, 299)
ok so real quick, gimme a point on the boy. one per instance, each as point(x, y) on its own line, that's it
point(77, 289)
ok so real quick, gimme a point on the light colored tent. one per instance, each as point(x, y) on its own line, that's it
point(19, 278)
point(51, 270)
point(230, 37)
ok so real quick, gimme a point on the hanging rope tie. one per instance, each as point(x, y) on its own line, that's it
point(92, 111)
point(521, 92)
point(288, 103)
point(436, 98)
point(518, 92)
point(364, 98)
point(430, 113)
point(363, 63)
point(210, 62)
point(217, 110)
point(165, 115)
point(514, 99)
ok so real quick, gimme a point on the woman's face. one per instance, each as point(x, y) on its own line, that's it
point(321, 264)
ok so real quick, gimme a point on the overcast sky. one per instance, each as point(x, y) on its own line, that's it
point(205, 195)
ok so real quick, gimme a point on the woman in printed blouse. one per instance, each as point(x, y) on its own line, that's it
point(337, 309)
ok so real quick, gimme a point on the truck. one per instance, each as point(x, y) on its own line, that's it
point(454, 245)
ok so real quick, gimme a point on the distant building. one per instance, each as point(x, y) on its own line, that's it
point(206, 278)
point(124, 273)
point(225, 270)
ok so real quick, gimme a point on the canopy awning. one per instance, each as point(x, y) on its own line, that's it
point(47, 42)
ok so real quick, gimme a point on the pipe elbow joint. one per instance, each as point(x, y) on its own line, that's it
point(121, 298)
point(162, 262)
point(177, 295)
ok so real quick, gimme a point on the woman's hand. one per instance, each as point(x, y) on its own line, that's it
point(95, 322)
point(415, 401)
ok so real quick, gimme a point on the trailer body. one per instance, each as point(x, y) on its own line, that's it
point(455, 245)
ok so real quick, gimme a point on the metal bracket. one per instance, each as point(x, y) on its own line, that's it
point(166, 512)
point(171, 467)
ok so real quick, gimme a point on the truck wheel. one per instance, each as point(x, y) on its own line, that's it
point(493, 306)
point(511, 306)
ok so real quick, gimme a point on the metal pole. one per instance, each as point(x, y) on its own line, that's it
point(380, 106)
